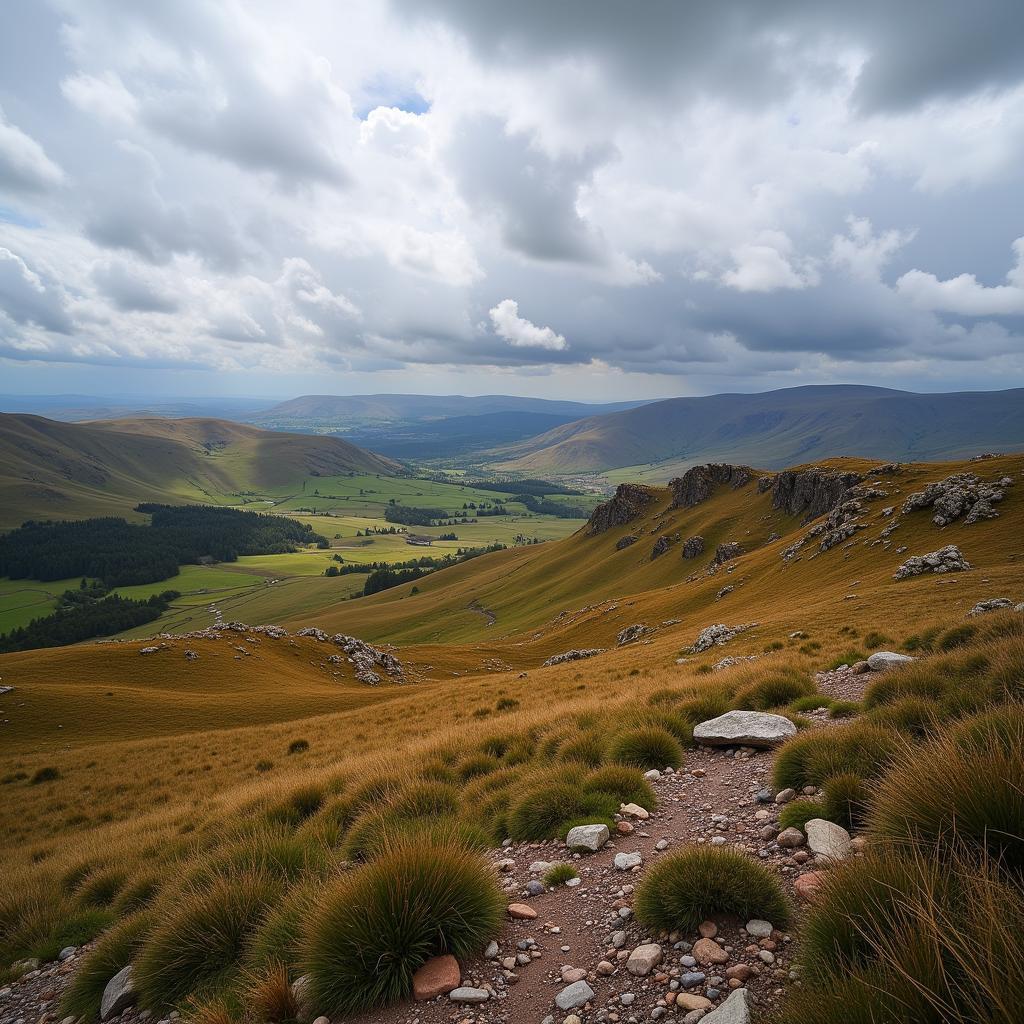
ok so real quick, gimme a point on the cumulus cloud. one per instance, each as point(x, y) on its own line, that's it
point(965, 294)
point(522, 333)
point(24, 165)
point(765, 268)
point(27, 299)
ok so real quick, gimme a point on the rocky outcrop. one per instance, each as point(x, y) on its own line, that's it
point(625, 542)
point(727, 552)
point(947, 559)
point(810, 493)
point(633, 633)
point(661, 546)
point(698, 482)
point(693, 546)
point(839, 525)
point(717, 635)
point(962, 495)
point(577, 655)
point(366, 659)
point(993, 604)
point(744, 729)
point(627, 504)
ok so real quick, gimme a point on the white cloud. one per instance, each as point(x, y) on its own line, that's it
point(521, 333)
point(965, 294)
point(103, 95)
point(24, 165)
point(764, 268)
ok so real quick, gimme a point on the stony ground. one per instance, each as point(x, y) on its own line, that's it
point(579, 939)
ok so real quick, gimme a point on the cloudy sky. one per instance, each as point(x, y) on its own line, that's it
point(587, 199)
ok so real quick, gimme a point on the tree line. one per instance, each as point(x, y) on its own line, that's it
point(123, 554)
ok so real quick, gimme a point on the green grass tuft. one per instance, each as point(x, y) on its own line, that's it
point(697, 882)
point(797, 813)
point(647, 747)
point(559, 874)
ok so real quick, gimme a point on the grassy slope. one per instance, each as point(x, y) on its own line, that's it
point(193, 731)
point(776, 429)
point(68, 470)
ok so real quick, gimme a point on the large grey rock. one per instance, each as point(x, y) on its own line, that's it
point(587, 837)
point(993, 604)
point(881, 660)
point(827, 839)
point(628, 861)
point(735, 1010)
point(574, 995)
point(947, 559)
point(644, 959)
point(119, 994)
point(744, 728)
point(303, 996)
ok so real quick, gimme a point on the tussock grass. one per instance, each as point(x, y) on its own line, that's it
point(846, 799)
point(115, 949)
point(559, 874)
point(375, 926)
point(625, 783)
point(812, 758)
point(843, 709)
point(648, 747)
point(698, 882)
point(774, 691)
point(797, 813)
point(268, 994)
point(963, 791)
point(201, 936)
point(915, 716)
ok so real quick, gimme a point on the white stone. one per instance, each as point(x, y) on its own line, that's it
point(881, 660)
point(469, 995)
point(634, 811)
point(735, 1010)
point(627, 861)
point(827, 839)
point(574, 995)
point(119, 994)
point(587, 837)
point(744, 728)
point(759, 929)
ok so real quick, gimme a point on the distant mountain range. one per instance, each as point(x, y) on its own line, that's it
point(776, 429)
point(54, 470)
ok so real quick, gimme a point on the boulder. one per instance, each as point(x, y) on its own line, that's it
point(644, 959)
point(628, 861)
point(827, 839)
point(693, 547)
point(575, 655)
point(697, 483)
point(437, 977)
point(707, 952)
point(790, 838)
point(881, 660)
point(577, 994)
point(633, 633)
point(744, 729)
point(625, 542)
point(635, 810)
point(727, 552)
point(119, 994)
point(991, 605)
point(806, 886)
point(587, 837)
point(947, 559)
point(735, 1010)
point(627, 504)
point(661, 545)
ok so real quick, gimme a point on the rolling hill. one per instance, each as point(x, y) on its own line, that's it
point(776, 429)
point(50, 469)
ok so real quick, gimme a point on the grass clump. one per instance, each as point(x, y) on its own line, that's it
point(268, 994)
point(811, 702)
point(843, 709)
point(48, 774)
point(774, 691)
point(961, 791)
point(298, 746)
point(203, 931)
point(587, 748)
point(812, 758)
point(797, 813)
point(845, 800)
point(647, 747)
point(912, 715)
point(559, 874)
point(548, 810)
point(625, 783)
point(376, 926)
point(697, 882)
point(114, 951)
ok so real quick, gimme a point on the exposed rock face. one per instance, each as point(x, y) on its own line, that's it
point(810, 493)
point(947, 559)
point(633, 633)
point(661, 546)
point(716, 635)
point(693, 546)
point(366, 659)
point(991, 605)
point(697, 483)
point(576, 655)
point(625, 542)
point(744, 728)
point(961, 494)
point(727, 552)
point(839, 525)
point(626, 505)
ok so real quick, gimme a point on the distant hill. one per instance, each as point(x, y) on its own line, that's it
point(79, 408)
point(50, 469)
point(776, 429)
point(367, 408)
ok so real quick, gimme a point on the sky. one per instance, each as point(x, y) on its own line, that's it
point(589, 199)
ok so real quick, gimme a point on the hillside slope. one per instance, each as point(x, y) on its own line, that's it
point(777, 429)
point(50, 469)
